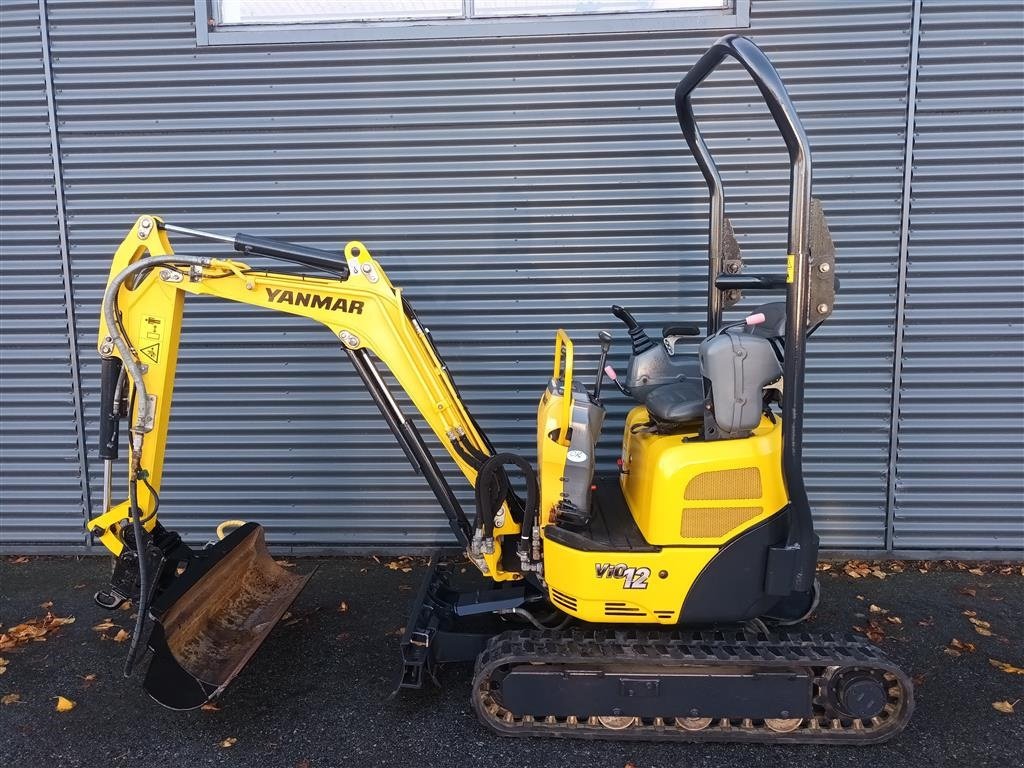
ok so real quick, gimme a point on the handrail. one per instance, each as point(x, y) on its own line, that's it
point(563, 342)
point(755, 62)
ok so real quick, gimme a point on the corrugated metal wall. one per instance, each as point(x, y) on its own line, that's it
point(961, 427)
point(40, 466)
point(512, 186)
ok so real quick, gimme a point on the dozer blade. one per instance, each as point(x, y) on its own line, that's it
point(212, 618)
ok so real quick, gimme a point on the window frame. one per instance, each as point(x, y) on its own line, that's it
point(737, 16)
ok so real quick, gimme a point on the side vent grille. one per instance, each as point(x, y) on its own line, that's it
point(563, 600)
point(725, 484)
point(621, 609)
point(664, 614)
point(712, 522)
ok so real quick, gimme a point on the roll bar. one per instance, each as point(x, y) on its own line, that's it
point(795, 563)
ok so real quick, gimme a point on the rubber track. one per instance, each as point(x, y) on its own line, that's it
point(611, 648)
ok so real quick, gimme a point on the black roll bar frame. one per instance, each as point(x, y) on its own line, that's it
point(800, 554)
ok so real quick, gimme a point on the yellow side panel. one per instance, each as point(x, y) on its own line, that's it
point(684, 491)
point(622, 587)
point(550, 453)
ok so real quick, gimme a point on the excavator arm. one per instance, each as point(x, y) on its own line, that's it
point(212, 607)
point(360, 307)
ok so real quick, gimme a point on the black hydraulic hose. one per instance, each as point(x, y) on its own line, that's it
point(143, 604)
point(460, 448)
point(492, 488)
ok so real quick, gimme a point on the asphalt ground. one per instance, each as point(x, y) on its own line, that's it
point(317, 693)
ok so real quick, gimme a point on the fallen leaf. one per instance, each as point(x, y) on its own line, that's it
point(968, 614)
point(64, 705)
point(1004, 706)
point(230, 741)
point(210, 707)
point(878, 574)
point(11, 698)
point(894, 619)
point(3, 664)
point(824, 567)
point(956, 647)
point(1006, 667)
point(930, 621)
point(18, 560)
point(875, 609)
point(970, 592)
point(979, 623)
point(33, 630)
point(285, 563)
point(88, 680)
point(976, 571)
point(48, 604)
point(121, 636)
point(125, 606)
point(630, 764)
point(343, 608)
point(104, 625)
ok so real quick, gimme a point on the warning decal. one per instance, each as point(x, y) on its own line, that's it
point(152, 352)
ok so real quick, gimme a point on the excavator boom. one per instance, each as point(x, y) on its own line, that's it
point(211, 618)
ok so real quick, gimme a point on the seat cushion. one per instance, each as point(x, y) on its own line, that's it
point(679, 402)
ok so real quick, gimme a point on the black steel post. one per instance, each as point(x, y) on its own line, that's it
point(412, 443)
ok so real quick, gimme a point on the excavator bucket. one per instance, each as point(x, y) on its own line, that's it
point(212, 618)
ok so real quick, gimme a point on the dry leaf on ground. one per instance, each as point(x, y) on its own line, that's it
point(1004, 706)
point(47, 605)
point(210, 707)
point(343, 607)
point(957, 647)
point(1006, 667)
point(33, 629)
point(3, 664)
point(121, 636)
point(968, 591)
point(285, 563)
point(18, 560)
point(11, 698)
point(230, 741)
point(64, 705)
point(104, 625)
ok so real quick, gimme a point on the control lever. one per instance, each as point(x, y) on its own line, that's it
point(611, 374)
point(641, 341)
point(606, 344)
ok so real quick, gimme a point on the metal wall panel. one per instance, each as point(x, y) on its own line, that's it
point(40, 477)
point(512, 186)
point(960, 467)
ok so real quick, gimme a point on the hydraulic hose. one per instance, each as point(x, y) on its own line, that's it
point(140, 553)
point(143, 423)
point(492, 489)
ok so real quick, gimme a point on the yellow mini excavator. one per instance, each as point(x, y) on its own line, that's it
point(652, 601)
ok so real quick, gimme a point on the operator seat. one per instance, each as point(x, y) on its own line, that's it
point(677, 403)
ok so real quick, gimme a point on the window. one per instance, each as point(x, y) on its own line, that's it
point(226, 22)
